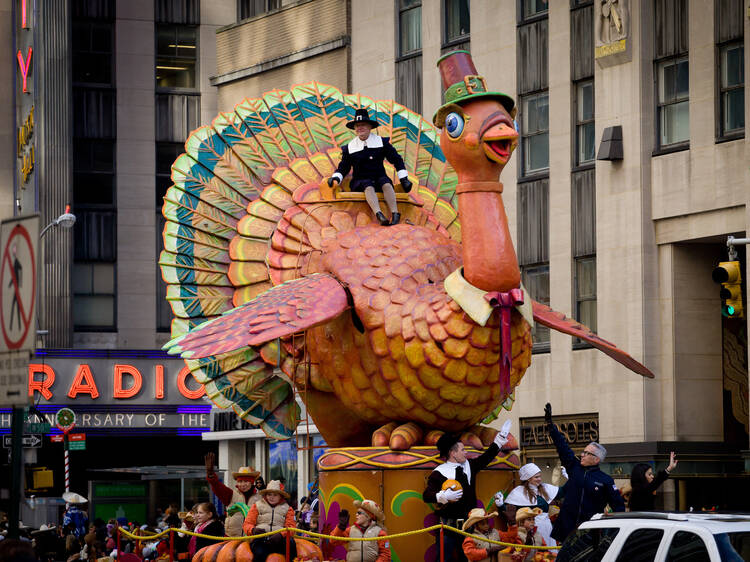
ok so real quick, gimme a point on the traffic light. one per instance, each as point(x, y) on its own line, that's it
point(728, 274)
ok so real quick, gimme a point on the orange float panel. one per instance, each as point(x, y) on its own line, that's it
point(396, 480)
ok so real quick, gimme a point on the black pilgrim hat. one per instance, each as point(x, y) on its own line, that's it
point(361, 116)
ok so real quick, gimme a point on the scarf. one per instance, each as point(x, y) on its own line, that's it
point(192, 546)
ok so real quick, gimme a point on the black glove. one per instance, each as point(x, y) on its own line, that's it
point(331, 180)
point(406, 184)
point(343, 519)
point(548, 413)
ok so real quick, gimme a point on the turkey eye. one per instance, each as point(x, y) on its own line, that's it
point(454, 124)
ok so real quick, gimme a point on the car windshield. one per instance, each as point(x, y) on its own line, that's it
point(587, 544)
point(734, 547)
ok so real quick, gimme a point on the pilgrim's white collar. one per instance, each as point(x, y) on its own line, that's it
point(448, 469)
point(373, 141)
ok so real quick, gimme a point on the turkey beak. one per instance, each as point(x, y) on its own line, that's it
point(499, 140)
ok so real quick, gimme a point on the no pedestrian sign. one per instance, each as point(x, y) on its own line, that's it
point(18, 278)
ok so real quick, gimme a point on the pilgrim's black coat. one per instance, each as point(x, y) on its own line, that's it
point(367, 164)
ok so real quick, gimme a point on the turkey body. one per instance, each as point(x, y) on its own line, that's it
point(411, 353)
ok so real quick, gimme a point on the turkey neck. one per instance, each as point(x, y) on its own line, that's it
point(490, 261)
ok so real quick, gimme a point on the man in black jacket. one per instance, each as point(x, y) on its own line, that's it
point(588, 490)
point(453, 505)
point(365, 153)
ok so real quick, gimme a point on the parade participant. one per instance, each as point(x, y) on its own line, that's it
point(244, 493)
point(455, 499)
point(368, 522)
point(365, 153)
point(534, 493)
point(588, 490)
point(269, 513)
point(528, 532)
point(476, 548)
point(74, 514)
point(206, 523)
point(644, 484)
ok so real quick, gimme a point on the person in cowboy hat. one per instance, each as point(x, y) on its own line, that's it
point(454, 502)
point(476, 548)
point(75, 515)
point(243, 494)
point(269, 513)
point(365, 154)
point(527, 531)
point(368, 522)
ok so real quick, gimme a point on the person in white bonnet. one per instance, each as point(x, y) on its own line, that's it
point(534, 493)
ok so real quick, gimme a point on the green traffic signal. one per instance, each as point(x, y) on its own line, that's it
point(729, 275)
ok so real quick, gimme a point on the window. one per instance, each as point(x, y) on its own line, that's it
point(587, 544)
point(732, 97)
point(672, 73)
point(533, 248)
point(674, 116)
point(410, 27)
point(729, 30)
point(94, 167)
point(534, 7)
point(176, 54)
point(456, 27)
point(583, 221)
point(177, 11)
point(535, 132)
point(409, 60)
point(532, 64)
point(732, 544)
point(318, 445)
point(687, 547)
point(585, 135)
point(176, 116)
point(93, 47)
point(252, 8)
point(641, 546)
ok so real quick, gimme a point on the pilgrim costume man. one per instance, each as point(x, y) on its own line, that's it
point(454, 502)
point(365, 154)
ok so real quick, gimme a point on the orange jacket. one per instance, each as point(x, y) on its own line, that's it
point(473, 553)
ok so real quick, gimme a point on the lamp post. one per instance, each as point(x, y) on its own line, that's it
point(66, 220)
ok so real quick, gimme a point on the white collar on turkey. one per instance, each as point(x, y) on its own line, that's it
point(448, 469)
point(518, 495)
point(471, 299)
point(373, 141)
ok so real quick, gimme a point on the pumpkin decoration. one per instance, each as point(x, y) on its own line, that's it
point(239, 551)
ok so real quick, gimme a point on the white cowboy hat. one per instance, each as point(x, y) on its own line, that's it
point(274, 486)
point(372, 509)
point(73, 497)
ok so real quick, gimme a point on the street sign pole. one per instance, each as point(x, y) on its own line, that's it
point(16, 484)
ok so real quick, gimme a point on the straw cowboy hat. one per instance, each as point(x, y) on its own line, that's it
point(274, 486)
point(72, 497)
point(475, 516)
point(526, 512)
point(372, 509)
point(246, 472)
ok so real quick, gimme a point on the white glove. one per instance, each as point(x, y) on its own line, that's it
point(502, 437)
point(445, 496)
point(499, 499)
point(564, 472)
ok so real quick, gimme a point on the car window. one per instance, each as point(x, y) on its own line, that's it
point(641, 546)
point(687, 547)
point(587, 544)
point(734, 547)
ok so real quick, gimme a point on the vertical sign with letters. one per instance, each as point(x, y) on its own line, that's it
point(25, 95)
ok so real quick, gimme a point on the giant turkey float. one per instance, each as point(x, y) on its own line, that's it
point(284, 289)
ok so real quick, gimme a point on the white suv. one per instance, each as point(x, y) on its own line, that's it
point(662, 537)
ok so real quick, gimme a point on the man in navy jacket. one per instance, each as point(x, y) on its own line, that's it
point(365, 154)
point(588, 490)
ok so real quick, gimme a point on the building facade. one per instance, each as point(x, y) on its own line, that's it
point(630, 174)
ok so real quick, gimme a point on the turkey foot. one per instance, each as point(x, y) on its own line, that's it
point(397, 437)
